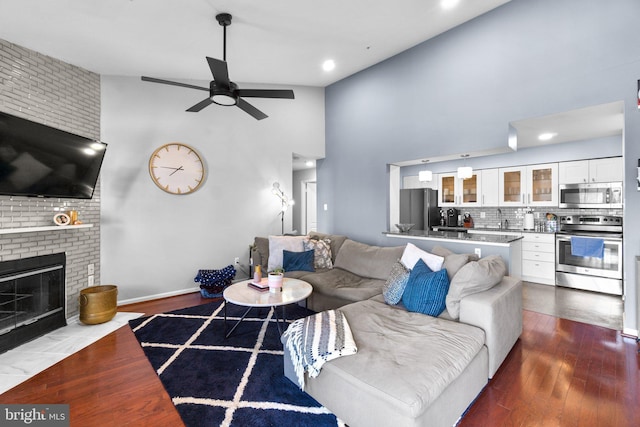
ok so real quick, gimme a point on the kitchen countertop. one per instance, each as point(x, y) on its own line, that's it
point(492, 229)
point(498, 239)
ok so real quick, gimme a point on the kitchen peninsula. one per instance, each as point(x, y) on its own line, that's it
point(509, 247)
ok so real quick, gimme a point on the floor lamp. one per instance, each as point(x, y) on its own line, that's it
point(284, 200)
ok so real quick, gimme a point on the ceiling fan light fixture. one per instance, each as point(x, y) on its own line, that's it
point(225, 99)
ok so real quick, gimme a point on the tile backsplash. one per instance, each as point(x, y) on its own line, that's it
point(515, 216)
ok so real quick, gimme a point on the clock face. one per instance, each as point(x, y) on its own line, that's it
point(176, 168)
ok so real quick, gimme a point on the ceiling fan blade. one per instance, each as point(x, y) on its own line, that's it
point(266, 93)
point(248, 108)
point(200, 105)
point(168, 82)
point(219, 71)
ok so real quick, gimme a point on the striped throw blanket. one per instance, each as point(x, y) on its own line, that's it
point(317, 339)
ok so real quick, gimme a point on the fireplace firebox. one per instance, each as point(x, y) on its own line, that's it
point(32, 295)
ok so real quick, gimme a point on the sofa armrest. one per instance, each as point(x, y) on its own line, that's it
point(498, 312)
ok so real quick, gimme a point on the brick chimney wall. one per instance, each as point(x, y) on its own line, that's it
point(49, 91)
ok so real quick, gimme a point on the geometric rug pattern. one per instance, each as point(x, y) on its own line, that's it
point(235, 381)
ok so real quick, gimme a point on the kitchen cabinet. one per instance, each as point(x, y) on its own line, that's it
point(453, 191)
point(534, 185)
point(587, 171)
point(490, 186)
point(539, 258)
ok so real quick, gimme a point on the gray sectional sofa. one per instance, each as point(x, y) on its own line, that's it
point(410, 369)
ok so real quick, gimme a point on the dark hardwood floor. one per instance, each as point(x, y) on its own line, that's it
point(560, 373)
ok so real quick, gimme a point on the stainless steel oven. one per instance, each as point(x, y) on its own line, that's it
point(600, 272)
point(606, 195)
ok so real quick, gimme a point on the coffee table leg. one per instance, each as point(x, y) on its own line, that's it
point(280, 322)
point(228, 334)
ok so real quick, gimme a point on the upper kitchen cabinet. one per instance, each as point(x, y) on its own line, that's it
point(453, 191)
point(535, 185)
point(490, 186)
point(588, 171)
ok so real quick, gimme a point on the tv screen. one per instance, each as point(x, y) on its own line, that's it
point(40, 161)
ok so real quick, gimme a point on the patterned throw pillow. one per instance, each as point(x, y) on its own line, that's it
point(322, 252)
point(395, 284)
point(426, 290)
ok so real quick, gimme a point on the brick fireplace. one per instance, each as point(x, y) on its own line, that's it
point(60, 95)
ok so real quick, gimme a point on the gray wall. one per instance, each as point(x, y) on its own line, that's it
point(154, 243)
point(459, 91)
point(49, 91)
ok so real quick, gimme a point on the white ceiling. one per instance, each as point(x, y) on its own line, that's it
point(276, 42)
point(280, 42)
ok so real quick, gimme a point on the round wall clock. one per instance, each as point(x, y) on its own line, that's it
point(176, 168)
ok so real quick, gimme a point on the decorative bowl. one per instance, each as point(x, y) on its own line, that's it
point(404, 227)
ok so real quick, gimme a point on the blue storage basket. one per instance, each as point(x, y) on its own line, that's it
point(213, 282)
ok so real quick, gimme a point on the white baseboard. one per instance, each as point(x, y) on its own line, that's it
point(630, 332)
point(158, 296)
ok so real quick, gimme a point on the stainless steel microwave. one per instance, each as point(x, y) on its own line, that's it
point(597, 195)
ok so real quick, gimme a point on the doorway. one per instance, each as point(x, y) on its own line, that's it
point(310, 203)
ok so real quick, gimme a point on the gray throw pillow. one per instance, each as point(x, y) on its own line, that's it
point(474, 277)
point(453, 262)
point(395, 284)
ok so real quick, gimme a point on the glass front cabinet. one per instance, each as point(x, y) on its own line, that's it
point(535, 185)
point(453, 191)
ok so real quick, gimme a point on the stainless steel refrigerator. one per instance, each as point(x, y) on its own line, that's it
point(419, 206)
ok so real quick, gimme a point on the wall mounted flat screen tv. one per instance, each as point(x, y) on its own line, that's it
point(40, 161)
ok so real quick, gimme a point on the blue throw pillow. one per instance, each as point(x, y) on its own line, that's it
point(426, 291)
point(298, 261)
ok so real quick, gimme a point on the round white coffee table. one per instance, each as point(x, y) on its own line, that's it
point(293, 291)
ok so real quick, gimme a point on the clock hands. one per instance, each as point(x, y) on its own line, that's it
point(174, 169)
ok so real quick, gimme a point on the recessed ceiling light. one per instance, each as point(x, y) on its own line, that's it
point(309, 163)
point(547, 136)
point(328, 65)
point(448, 4)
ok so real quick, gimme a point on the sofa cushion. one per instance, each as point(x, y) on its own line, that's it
point(474, 277)
point(405, 360)
point(279, 243)
point(322, 252)
point(412, 254)
point(366, 260)
point(343, 284)
point(297, 261)
point(426, 290)
point(396, 283)
point(452, 261)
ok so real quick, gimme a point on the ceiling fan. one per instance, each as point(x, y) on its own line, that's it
point(223, 91)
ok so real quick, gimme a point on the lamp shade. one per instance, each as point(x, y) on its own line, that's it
point(425, 176)
point(465, 172)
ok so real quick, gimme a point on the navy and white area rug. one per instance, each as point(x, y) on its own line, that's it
point(236, 381)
